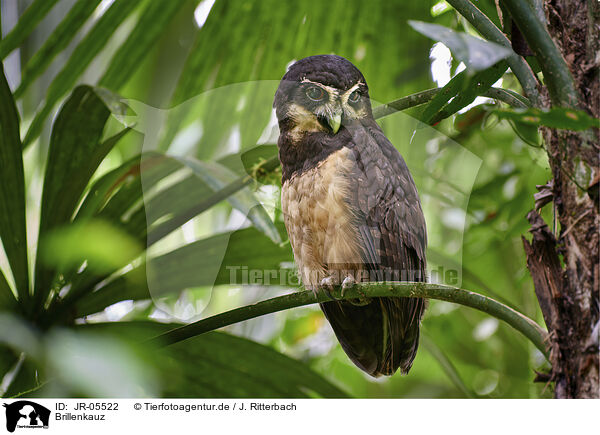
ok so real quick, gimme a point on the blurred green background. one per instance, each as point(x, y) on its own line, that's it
point(116, 262)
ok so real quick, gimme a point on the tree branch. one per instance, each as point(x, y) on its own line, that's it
point(506, 96)
point(557, 76)
point(509, 97)
point(535, 333)
point(489, 30)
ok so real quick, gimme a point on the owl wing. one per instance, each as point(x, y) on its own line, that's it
point(383, 336)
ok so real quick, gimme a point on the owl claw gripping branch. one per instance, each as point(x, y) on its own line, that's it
point(351, 209)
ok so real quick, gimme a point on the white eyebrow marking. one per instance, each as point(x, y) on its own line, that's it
point(330, 90)
point(347, 94)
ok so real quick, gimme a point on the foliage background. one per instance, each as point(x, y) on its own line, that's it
point(162, 54)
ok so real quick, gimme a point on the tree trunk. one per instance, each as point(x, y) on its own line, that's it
point(565, 267)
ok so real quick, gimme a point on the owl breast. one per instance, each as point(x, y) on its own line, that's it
point(320, 222)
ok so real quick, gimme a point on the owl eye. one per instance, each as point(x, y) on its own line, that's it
point(354, 97)
point(315, 93)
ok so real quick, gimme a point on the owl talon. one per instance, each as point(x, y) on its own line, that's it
point(327, 284)
point(348, 283)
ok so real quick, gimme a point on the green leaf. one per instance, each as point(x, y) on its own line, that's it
point(7, 298)
point(104, 247)
point(19, 335)
point(130, 286)
point(191, 196)
point(231, 166)
point(218, 260)
point(12, 191)
point(278, 32)
point(202, 55)
point(81, 363)
point(450, 90)
point(56, 42)
point(116, 198)
point(477, 54)
point(556, 117)
point(106, 188)
point(74, 154)
point(26, 24)
point(222, 365)
point(84, 53)
point(212, 261)
point(8, 360)
point(218, 177)
point(462, 90)
point(126, 207)
point(217, 364)
point(27, 378)
point(97, 364)
point(478, 84)
point(177, 199)
point(528, 133)
point(152, 22)
point(249, 159)
point(469, 276)
point(446, 365)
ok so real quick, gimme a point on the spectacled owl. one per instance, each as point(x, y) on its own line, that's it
point(351, 209)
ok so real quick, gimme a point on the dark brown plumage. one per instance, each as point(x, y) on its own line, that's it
point(351, 209)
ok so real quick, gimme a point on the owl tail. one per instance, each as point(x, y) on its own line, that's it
point(379, 337)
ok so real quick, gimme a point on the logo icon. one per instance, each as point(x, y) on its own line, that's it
point(26, 414)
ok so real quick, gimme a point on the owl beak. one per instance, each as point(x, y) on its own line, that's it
point(335, 121)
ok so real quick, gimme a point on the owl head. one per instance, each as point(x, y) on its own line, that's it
point(321, 93)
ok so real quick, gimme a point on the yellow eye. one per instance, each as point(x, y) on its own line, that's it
point(315, 93)
point(354, 97)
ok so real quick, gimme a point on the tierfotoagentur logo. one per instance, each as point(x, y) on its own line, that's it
point(243, 275)
point(25, 414)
